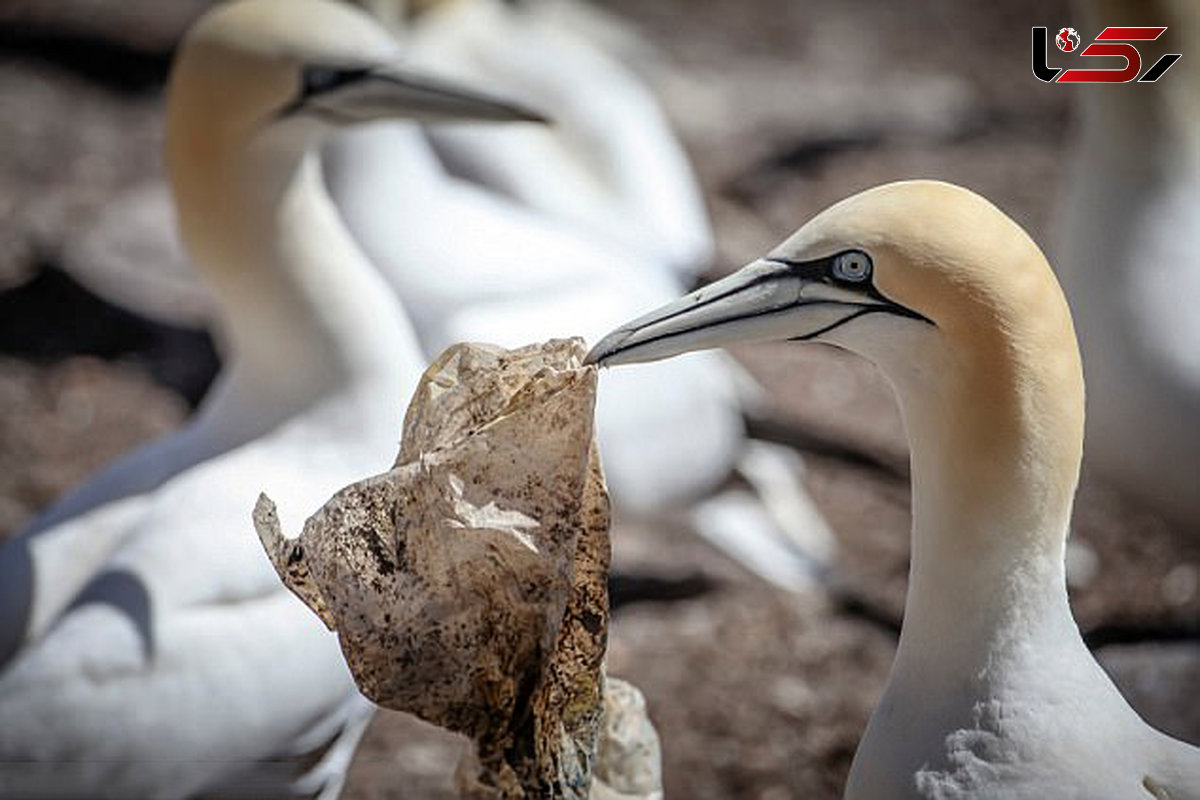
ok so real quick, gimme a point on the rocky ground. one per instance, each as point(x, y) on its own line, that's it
point(786, 106)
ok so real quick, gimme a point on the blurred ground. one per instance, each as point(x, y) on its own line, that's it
point(786, 106)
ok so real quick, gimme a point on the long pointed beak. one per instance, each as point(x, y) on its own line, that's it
point(764, 301)
point(392, 92)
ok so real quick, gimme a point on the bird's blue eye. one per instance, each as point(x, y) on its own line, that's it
point(853, 266)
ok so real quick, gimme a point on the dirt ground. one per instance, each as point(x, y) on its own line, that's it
point(785, 106)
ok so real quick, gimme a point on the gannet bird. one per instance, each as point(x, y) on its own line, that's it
point(610, 166)
point(1129, 250)
point(993, 693)
point(147, 648)
point(631, 182)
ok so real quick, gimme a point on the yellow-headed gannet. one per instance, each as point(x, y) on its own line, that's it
point(147, 648)
point(993, 693)
point(1129, 257)
point(473, 265)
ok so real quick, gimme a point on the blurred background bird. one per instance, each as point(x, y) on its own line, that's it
point(144, 649)
point(783, 107)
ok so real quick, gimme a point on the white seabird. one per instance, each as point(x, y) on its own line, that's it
point(1129, 255)
point(993, 693)
point(147, 648)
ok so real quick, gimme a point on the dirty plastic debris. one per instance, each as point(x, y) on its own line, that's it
point(468, 585)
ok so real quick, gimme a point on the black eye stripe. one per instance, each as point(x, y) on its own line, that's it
point(824, 269)
point(318, 79)
point(821, 269)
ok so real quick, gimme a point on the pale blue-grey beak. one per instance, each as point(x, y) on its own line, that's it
point(350, 94)
point(769, 299)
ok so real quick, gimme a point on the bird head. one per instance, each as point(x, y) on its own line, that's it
point(258, 85)
point(949, 297)
point(283, 73)
point(923, 261)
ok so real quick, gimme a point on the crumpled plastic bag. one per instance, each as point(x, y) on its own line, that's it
point(468, 585)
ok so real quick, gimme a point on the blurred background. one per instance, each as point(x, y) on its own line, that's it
point(784, 106)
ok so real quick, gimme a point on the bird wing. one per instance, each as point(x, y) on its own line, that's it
point(41, 570)
point(46, 564)
point(133, 230)
point(183, 659)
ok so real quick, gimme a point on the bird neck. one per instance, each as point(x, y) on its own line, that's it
point(996, 434)
point(996, 441)
point(305, 314)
